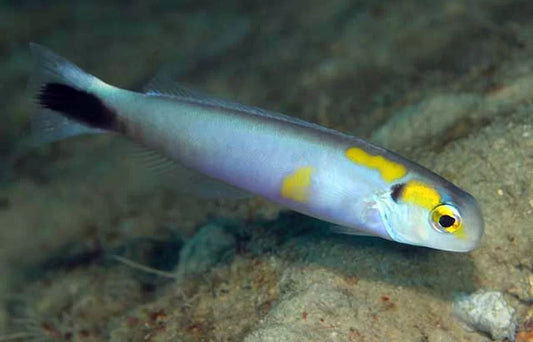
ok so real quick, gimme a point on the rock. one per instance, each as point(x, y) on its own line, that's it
point(488, 312)
point(276, 333)
point(439, 335)
point(420, 123)
point(208, 246)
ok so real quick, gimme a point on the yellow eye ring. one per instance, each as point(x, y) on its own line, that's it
point(445, 218)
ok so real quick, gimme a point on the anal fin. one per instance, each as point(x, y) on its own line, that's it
point(183, 180)
point(348, 231)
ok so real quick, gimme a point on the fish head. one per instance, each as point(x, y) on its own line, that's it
point(425, 214)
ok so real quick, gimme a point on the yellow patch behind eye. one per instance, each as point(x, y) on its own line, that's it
point(421, 194)
point(296, 185)
point(389, 170)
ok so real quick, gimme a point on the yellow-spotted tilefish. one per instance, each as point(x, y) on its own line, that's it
point(365, 189)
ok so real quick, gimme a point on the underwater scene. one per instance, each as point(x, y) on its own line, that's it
point(150, 189)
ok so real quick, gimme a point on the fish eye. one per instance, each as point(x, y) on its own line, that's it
point(445, 218)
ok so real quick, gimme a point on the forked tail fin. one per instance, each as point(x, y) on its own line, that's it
point(67, 102)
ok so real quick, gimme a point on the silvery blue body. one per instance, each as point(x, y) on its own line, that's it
point(255, 153)
point(255, 150)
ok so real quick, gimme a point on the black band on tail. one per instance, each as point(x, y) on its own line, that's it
point(78, 105)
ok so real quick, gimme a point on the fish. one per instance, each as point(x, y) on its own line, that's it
point(358, 187)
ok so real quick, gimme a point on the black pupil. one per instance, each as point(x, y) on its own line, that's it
point(446, 221)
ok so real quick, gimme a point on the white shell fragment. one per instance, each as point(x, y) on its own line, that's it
point(487, 312)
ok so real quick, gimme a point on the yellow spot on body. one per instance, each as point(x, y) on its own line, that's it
point(421, 194)
point(389, 170)
point(296, 185)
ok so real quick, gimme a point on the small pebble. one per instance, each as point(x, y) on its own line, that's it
point(487, 312)
point(209, 246)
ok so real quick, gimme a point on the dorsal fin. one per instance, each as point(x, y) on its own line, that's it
point(163, 85)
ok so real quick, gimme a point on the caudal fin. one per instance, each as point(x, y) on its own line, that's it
point(66, 100)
